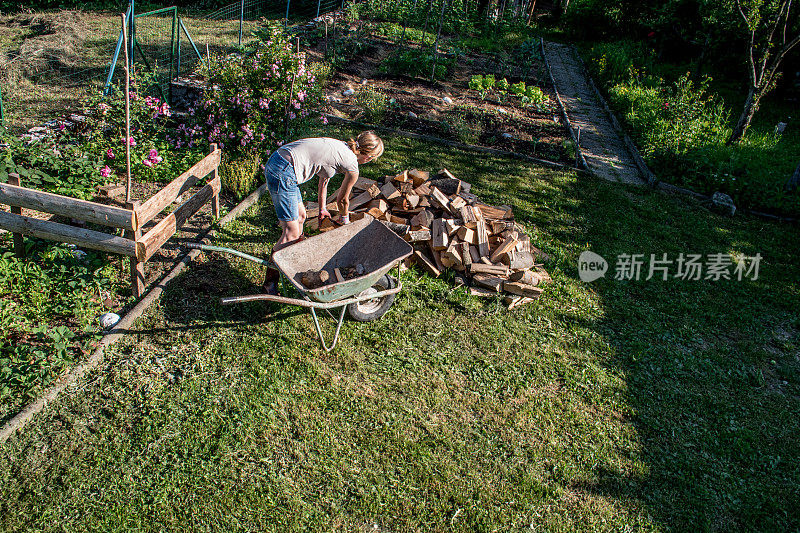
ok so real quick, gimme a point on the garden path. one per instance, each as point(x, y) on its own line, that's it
point(603, 147)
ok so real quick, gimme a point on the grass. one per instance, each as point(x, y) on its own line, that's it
point(606, 406)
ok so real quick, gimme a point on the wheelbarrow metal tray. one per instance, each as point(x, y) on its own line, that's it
point(366, 242)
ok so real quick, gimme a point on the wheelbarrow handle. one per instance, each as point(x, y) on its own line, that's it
point(222, 249)
point(306, 303)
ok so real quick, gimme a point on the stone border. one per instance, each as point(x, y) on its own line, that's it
point(454, 144)
point(76, 373)
point(563, 109)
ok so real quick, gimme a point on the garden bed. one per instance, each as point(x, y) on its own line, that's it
point(415, 104)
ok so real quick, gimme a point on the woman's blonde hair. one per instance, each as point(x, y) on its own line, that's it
point(367, 143)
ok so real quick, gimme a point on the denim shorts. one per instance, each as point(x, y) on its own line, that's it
point(282, 185)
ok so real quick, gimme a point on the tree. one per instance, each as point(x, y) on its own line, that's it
point(773, 31)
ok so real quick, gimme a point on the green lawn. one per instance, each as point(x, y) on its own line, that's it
point(654, 405)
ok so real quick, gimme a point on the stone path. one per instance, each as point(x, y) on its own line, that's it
point(603, 147)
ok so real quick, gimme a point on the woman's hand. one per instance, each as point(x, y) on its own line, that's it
point(324, 213)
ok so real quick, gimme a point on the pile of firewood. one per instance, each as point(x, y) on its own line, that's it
point(449, 228)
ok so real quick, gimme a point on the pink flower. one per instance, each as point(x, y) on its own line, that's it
point(292, 116)
point(147, 163)
point(105, 171)
point(157, 159)
point(324, 119)
point(153, 154)
point(61, 127)
point(131, 142)
point(110, 153)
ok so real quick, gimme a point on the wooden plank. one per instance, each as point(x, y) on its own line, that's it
point(105, 215)
point(159, 201)
point(522, 289)
point(487, 281)
point(483, 238)
point(54, 231)
point(389, 191)
point(19, 241)
point(506, 247)
point(137, 267)
point(438, 199)
point(495, 270)
point(426, 264)
point(215, 199)
point(154, 239)
point(439, 239)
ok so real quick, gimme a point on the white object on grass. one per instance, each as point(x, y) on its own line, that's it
point(348, 92)
point(108, 320)
point(447, 100)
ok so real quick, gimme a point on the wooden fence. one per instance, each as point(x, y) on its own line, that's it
point(139, 246)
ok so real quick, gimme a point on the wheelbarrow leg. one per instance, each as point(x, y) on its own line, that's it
point(319, 329)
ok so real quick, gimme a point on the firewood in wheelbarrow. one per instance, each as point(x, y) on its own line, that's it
point(313, 279)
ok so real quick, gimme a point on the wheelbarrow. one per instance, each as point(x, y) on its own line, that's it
point(367, 297)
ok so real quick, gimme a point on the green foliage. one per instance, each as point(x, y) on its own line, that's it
point(256, 96)
point(418, 62)
point(46, 300)
point(463, 125)
point(373, 102)
point(456, 19)
point(240, 174)
point(56, 163)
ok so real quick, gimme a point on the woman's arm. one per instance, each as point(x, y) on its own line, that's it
point(322, 192)
point(343, 199)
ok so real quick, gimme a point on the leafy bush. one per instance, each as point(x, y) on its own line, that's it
point(374, 103)
point(461, 123)
point(241, 174)
point(255, 97)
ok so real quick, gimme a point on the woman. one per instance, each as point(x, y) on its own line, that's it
point(296, 163)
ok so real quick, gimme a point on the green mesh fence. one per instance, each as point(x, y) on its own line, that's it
point(154, 38)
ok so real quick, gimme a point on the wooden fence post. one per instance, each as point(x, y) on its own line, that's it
point(215, 199)
point(137, 267)
point(19, 244)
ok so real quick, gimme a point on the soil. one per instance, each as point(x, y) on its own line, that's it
point(489, 122)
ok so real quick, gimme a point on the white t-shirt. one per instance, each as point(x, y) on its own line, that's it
point(320, 156)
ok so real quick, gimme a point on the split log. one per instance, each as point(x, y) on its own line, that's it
point(521, 261)
point(426, 264)
point(504, 249)
point(438, 199)
point(495, 270)
point(418, 177)
point(482, 236)
point(423, 190)
point(389, 191)
point(450, 226)
point(522, 289)
point(418, 235)
point(439, 238)
point(466, 257)
point(487, 281)
point(412, 199)
point(437, 260)
point(517, 301)
point(454, 256)
point(467, 235)
point(479, 291)
point(423, 219)
point(496, 213)
point(379, 204)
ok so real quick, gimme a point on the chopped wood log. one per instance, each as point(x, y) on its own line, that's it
point(413, 200)
point(418, 235)
point(495, 270)
point(439, 199)
point(406, 188)
point(396, 219)
point(418, 177)
point(447, 185)
point(468, 215)
point(521, 289)
point(399, 229)
point(469, 197)
point(456, 203)
point(314, 279)
point(445, 260)
point(423, 219)
point(389, 191)
point(426, 264)
point(453, 256)
point(423, 190)
point(375, 213)
point(531, 277)
point(496, 213)
point(525, 242)
point(466, 257)
point(439, 239)
point(517, 301)
point(402, 177)
point(487, 281)
point(379, 204)
point(357, 216)
point(312, 209)
point(365, 197)
point(473, 252)
point(483, 293)
point(327, 224)
point(505, 248)
point(521, 261)
point(338, 275)
point(450, 226)
point(499, 226)
point(483, 236)
point(424, 201)
point(363, 184)
point(467, 235)
point(437, 260)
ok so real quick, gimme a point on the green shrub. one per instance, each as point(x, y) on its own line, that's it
point(463, 125)
point(241, 174)
point(417, 62)
point(374, 104)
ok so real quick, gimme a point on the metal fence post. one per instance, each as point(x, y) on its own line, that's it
point(178, 46)
point(2, 113)
point(286, 24)
point(132, 26)
point(319, 2)
point(172, 50)
point(241, 23)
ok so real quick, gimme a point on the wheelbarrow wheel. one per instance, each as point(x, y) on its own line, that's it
point(369, 310)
